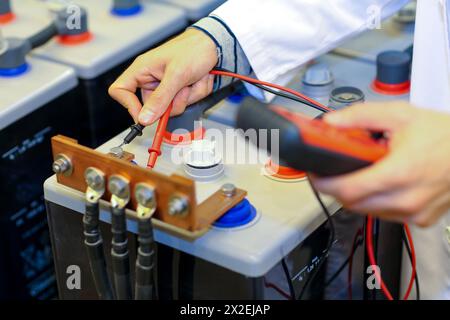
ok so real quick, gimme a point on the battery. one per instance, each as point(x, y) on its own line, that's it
point(115, 41)
point(30, 17)
point(33, 107)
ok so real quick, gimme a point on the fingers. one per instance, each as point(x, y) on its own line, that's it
point(201, 89)
point(433, 212)
point(126, 98)
point(172, 82)
point(190, 95)
point(123, 90)
point(402, 203)
point(350, 188)
point(181, 101)
point(371, 116)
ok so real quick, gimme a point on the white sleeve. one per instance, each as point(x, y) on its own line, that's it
point(278, 36)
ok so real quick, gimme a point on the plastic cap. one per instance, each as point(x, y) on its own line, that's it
point(241, 214)
point(393, 67)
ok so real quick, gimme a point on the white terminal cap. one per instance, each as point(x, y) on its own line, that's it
point(202, 153)
point(201, 161)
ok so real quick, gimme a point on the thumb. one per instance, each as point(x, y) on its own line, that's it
point(371, 116)
point(160, 99)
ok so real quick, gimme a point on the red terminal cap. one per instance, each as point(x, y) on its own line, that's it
point(75, 39)
point(177, 139)
point(282, 172)
point(391, 89)
point(7, 17)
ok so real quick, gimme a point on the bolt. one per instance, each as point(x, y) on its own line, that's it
point(228, 189)
point(94, 178)
point(145, 195)
point(61, 165)
point(178, 206)
point(119, 187)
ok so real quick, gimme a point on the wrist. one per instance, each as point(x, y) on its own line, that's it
point(208, 46)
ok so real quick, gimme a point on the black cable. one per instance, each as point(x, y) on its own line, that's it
point(359, 242)
point(288, 278)
point(330, 240)
point(119, 254)
point(280, 93)
point(94, 245)
point(408, 249)
point(288, 96)
point(145, 265)
point(44, 35)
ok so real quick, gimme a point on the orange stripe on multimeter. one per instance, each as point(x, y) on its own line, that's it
point(354, 143)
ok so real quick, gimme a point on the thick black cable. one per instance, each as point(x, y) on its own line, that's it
point(288, 278)
point(120, 255)
point(94, 245)
point(145, 265)
point(288, 96)
point(330, 240)
point(408, 250)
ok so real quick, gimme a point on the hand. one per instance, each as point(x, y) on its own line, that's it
point(411, 183)
point(178, 70)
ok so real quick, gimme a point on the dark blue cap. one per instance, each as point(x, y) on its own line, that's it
point(393, 67)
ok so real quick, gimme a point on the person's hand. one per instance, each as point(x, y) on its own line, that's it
point(178, 70)
point(411, 183)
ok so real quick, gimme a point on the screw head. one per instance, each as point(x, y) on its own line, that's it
point(57, 167)
point(95, 179)
point(119, 186)
point(178, 206)
point(145, 195)
point(228, 189)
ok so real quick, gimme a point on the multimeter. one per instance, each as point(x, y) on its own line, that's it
point(311, 145)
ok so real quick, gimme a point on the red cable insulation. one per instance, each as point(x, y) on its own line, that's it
point(413, 261)
point(277, 289)
point(267, 84)
point(371, 255)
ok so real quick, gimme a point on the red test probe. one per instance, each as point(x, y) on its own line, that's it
point(155, 150)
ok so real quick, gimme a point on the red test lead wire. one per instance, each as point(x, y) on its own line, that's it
point(371, 255)
point(155, 150)
point(268, 84)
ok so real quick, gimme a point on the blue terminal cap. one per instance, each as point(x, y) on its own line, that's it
point(236, 98)
point(14, 72)
point(126, 12)
point(239, 215)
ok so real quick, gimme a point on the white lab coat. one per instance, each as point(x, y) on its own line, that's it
point(280, 35)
